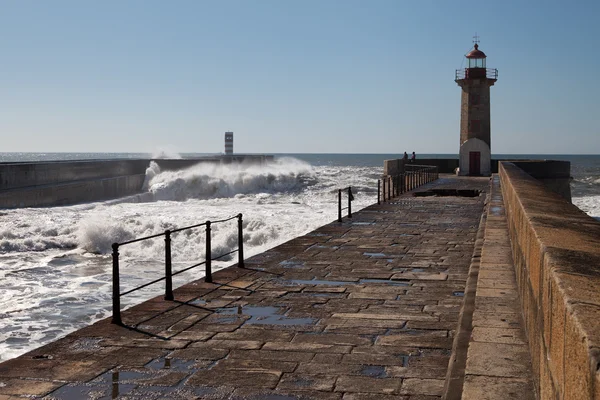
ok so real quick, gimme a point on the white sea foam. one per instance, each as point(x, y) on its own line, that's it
point(588, 204)
point(55, 265)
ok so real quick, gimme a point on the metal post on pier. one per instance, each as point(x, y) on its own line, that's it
point(383, 191)
point(349, 202)
point(116, 295)
point(389, 187)
point(378, 191)
point(402, 182)
point(208, 274)
point(240, 242)
point(168, 270)
point(339, 205)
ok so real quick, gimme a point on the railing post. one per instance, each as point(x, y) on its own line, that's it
point(208, 274)
point(402, 182)
point(389, 187)
point(240, 242)
point(378, 191)
point(383, 191)
point(116, 295)
point(168, 270)
point(339, 205)
point(349, 202)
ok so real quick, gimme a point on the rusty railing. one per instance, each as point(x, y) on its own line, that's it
point(168, 278)
point(412, 177)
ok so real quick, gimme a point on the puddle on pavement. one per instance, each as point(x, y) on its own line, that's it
point(324, 294)
point(342, 283)
point(265, 315)
point(458, 293)
point(408, 270)
point(109, 385)
point(198, 302)
point(374, 255)
point(374, 371)
point(173, 364)
point(321, 282)
point(495, 210)
point(363, 223)
point(322, 246)
point(386, 281)
point(292, 264)
point(115, 384)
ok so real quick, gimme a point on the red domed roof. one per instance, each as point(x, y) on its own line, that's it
point(476, 53)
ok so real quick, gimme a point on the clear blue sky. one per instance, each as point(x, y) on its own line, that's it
point(369, 76)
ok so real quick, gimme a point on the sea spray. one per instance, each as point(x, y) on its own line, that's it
point(96, 235)
point(205, 181)
point(152, 170)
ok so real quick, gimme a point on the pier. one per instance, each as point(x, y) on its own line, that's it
point(419, 297)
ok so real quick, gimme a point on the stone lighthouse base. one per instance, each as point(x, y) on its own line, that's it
point(475, 158)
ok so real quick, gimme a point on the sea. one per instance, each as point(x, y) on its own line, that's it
point(55, 262)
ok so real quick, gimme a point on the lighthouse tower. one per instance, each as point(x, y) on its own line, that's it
point(475, 82)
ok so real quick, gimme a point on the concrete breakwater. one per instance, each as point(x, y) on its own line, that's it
point(56, 183)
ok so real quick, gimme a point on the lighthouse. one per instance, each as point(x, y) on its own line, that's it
point(475, 82)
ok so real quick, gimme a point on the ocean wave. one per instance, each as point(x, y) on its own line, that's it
point(96, 235)
point(588, 204)
point(207, 181)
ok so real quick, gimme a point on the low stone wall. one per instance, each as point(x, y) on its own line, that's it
point(556, 250)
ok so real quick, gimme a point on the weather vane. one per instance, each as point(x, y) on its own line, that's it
point(476, 38)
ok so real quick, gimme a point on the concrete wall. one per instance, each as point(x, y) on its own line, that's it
point(62, 194)
point(20, 175)
point(70, 182)
point(556, 250)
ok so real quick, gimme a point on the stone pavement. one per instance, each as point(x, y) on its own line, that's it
point(363, 309)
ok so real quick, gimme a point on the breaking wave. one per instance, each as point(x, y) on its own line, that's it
point(206, 181)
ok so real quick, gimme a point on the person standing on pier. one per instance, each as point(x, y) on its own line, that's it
point(413, 157)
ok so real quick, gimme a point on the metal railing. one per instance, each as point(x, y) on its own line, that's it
point(169, 274)
point(350, 198)
point(412, 177)
point(465, 73)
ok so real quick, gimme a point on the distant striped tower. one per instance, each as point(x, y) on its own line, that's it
point(228, 142)
point(475, 143)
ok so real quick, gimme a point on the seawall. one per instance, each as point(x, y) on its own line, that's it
point(556, 251)
point(42, 184)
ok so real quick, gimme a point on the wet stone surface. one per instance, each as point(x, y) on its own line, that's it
point(357, 309)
